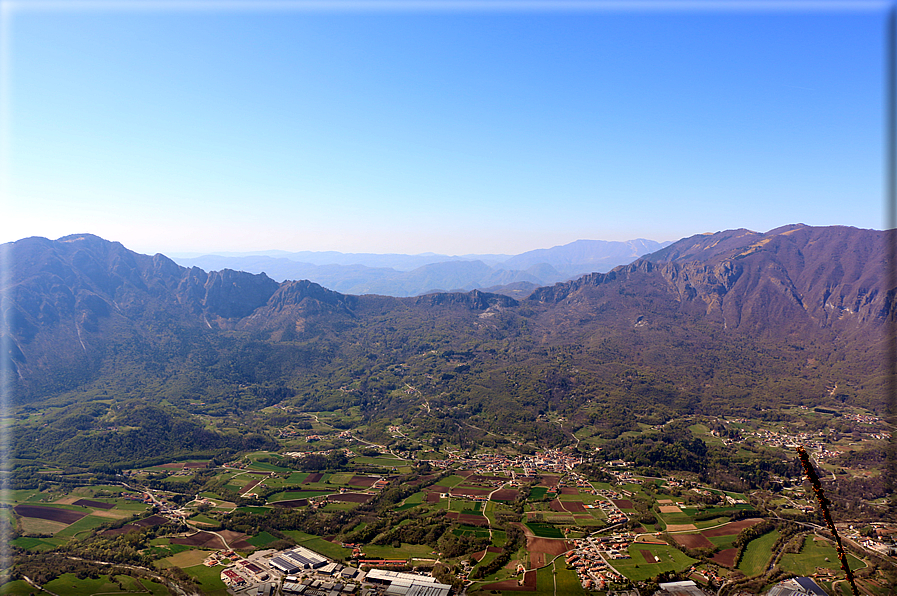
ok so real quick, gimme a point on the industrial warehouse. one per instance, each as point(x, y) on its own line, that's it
point(296, 559)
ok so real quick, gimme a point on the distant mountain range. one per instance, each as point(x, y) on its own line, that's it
point(718, 323)
point(413, 275)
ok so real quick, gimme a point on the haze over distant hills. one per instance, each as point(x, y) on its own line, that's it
point(412, 275)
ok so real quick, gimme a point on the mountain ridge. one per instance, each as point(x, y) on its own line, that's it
point(85, 312)
point(412, 275)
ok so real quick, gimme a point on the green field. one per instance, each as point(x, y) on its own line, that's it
point(263, 539)
point(757, 554)
point(17, 588)
point(451, 481)
point(487, 559)
point(83, 525)
point(544, 530)
point(266, 467)
point(204, 519)
point(209, 579)
point(36, 544)
point(499, 537)
point(291, 495)
point(675, 518)
point(253, 509)
point(566, 580)
point(637, 569)
point(470, 531)
point(708, 523)
point(553, 580)
point(69, 585)
point(813, 554)
point(412, 501)
point(298, 535)
point(405, 552)
point(723, 542)
point(381, 461)
point(296, 478)
point(328, 549)
point(537, 493)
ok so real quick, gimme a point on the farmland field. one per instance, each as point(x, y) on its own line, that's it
point(636, 569)
point(83, 525)
point(69, 585)
point(757, 554)
point(544, 530)
point(817, 553)
point(209, 579)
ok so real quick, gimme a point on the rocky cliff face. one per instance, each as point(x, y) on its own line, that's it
point(783, 282)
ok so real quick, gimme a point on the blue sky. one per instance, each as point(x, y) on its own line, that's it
point(450, 128)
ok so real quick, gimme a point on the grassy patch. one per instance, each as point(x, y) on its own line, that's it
point(36, 544)
point(290, 495)
point(266, 467)
point(537, 493)
point(252, 509)
point(566, 580)
point(342, 478)
point(450, 481)
point(209, 579)
point(406, 551)
point(296, 478)
point(636, 569)
point(298, 535)
point(263, 539)
point(544, 530)
point(17, 588)
point(470, 531)
point(328, 549)
point(184, 559)
point(68, 584)
point(381, 461)
point(757, 554)
point(708, 523)
point(82, 526)
point(813, 554)
point(34, 525)
point(723, 542)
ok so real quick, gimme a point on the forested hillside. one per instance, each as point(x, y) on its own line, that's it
point(724, 323)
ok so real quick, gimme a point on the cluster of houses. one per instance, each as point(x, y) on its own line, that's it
point(550, 460)
point(862, 418)
point(708, 575)
point(589, 559)
point(811, 441)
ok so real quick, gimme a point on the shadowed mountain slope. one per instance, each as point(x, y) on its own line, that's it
point(719, 322)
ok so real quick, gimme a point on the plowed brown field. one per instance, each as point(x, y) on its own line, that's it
point(65, 516)
point(732, 528)
point(692, 540)
point(726, 557)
